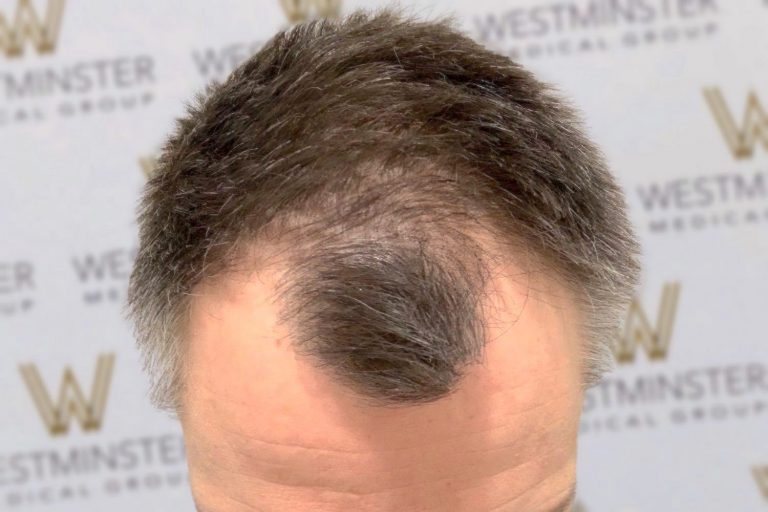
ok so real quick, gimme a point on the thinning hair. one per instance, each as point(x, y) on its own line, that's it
point(375, 154)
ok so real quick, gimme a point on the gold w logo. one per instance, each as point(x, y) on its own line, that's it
point(639, 332)
point(71, 400)
point(301, 10)
point(27, 25)
point(754, 125)
point(761, 477)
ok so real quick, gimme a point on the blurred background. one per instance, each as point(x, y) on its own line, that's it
point(674, 91)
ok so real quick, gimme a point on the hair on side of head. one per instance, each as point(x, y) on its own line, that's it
point(373, 149)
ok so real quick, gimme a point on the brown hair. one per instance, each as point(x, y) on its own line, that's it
point(374, 154)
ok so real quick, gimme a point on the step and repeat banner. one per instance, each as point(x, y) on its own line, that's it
point(675, 91)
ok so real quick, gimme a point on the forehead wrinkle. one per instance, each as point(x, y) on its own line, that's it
point(561, 506)
point(342, 484)
point(455, 486)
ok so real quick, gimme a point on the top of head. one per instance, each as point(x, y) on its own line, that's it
point(374, 155)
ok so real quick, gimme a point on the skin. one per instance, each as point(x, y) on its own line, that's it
point(267, 431)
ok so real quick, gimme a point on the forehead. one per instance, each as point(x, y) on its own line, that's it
point(262, 408)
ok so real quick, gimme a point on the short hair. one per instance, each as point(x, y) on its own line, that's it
point(378, 155)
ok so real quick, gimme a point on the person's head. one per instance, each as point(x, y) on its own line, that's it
point(378, 266)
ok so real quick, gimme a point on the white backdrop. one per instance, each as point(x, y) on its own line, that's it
point(675, 91)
